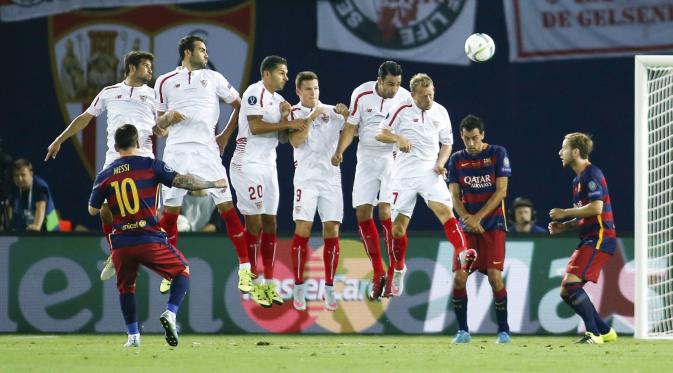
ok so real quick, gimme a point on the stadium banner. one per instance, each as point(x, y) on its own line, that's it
point(52, 285)
point(19, 10)
point(419, 31)
point(87, 52)
point(568, 29)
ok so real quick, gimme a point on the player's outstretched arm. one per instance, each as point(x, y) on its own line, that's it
point(75, 126)
point(191, 182)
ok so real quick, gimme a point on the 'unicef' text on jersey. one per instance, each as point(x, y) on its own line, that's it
point(131, 187)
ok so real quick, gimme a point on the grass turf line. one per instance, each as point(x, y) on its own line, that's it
point(334, 353)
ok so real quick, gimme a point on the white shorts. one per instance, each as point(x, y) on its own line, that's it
point(372, 179)
point(430, 187)
point(256, 188)
point(326, 197)
point(197, 160)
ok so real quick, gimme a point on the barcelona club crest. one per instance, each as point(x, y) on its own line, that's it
point(88, 48)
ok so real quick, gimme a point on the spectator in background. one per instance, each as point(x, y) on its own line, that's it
point(198, 208)
point(522, 217)
point(31, 205)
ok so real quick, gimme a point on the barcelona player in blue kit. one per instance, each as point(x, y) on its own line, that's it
point(592, 214)
point(131, 186)
point(478, 178)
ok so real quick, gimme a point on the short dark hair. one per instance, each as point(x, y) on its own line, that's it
point(22, 163)
point(135, 58)
point(582, 142)
point(471, 122)
point(389, 68)
point(304, 76)
point(270, 63)
point(522, 202)
point(187, 44)
point(126, 137)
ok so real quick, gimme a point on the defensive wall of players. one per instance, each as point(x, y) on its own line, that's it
point(55, 288)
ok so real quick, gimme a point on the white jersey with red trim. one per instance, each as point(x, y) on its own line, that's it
point(261, 148)
point(194, 94)
point(367, 110)
point(126, 105)
point(424, 129)
point(312, 159)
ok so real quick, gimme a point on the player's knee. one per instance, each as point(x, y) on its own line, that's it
point(224, 207)
point(399, 230)
point(495, 279)
point(363, 212)
point(269, 224)
point(459, 280)
point(330, 230)
point(384, 211)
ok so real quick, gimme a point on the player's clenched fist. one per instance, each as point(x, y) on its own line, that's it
point(337, 158)
point(403, 144)
point(285, 108)
point(341, 109)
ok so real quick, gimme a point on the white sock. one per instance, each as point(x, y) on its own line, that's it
point(244, 266)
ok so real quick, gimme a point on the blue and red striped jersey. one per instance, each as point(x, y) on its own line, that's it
point(131, 186)
point(476, 175)
point(599, 230)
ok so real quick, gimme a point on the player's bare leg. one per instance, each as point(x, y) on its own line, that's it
point(330, 258)
point(299, 252)
point(106, 221)
point(500, 303)
point(574, 295)
point(370, 239)
point(399, 251)
point(237, 236)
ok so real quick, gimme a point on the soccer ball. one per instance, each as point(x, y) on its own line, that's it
point(479, 47)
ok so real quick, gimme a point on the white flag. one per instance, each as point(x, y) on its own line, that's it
point(546, 29)
point(19, 10)
point(420, 31)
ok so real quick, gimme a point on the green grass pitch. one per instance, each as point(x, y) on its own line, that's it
point(333, 353)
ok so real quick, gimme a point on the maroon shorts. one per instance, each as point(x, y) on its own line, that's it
point(490, 247)
point(587, 262)
point(165, 260)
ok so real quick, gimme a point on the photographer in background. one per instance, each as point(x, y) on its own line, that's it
point(522, 217)
point(30, 202)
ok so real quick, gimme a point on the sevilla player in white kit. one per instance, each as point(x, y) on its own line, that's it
point(369, 104)
point(192, 92)
point(253, 169)
point(417, 126)
point(317, 183)
point(127, 102)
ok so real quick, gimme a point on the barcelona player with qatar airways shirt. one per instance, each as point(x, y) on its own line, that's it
point(592, 214)
point(131, 186)
point(478, 178)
